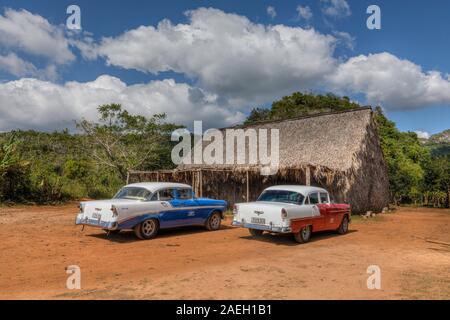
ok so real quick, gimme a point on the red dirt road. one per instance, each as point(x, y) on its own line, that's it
point(38, 243)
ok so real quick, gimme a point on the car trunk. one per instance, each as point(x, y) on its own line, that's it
point(260, 213)
point(97, 210)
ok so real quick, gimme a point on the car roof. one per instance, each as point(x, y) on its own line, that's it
point(154, 186)
point(305, 190)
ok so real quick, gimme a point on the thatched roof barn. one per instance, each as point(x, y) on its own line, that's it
point(339, 151)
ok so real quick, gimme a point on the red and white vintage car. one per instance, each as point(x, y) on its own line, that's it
point(299, 210)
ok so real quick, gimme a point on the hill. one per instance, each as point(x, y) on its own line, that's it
point(438, 144)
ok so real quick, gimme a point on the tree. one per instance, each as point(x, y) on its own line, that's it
point(126, 142)
point(8, 157)
point(405, 158)
point(300, 104)
point(437, 178)
point(13, 171)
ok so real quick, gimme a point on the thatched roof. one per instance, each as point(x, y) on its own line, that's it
point(339, 151)
point(327, 140)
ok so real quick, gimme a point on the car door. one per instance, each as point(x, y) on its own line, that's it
point(319, 219)
point(175, 213)
point(191, 214)
point(332, 215)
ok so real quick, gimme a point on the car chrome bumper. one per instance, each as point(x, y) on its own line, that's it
point(107, 225)
point(269, 228)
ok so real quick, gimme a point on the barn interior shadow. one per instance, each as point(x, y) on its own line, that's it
point(128, 236)
point(286, 239)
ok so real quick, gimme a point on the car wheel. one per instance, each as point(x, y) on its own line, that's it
point(303, 235)
point(256, 232)
point(147, 229)
point(214, 221)
point(343, 228)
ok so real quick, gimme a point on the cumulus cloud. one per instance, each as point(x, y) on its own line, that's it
point(423, 134)
point(304, 13)
point(18, 67)
point(31, 103)
point(14, 65)
point(33, 34)
point(336, 8)
point(271, 12)
point(233, 63)
point(346, 39)
point(227, 54)
point(392, 82)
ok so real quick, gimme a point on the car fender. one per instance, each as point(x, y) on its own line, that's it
point(221, 211)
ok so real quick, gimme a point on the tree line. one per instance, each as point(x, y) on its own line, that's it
point(42, 167)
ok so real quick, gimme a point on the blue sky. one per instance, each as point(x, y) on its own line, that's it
point(159, 72)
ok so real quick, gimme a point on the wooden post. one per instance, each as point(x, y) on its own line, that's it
point(193, 182)
point(308, 176)
point(248, 188)
point(200, 173)
point(128, 177)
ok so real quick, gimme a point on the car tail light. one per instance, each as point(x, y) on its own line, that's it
point(283, 213)
point(235, 209)
point(114, 211)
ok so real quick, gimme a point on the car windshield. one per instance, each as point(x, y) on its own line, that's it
point(133, 193)
point(282, 196)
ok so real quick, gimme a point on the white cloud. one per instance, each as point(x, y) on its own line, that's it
point(32, 103)
point(271, 12)
point(304, 13)
point(392, 82)
point(345, 38)
point(336, 8)
point(235, 64)
point(227, 54)
point(18, 67)
point(423, 134)
point(33, 34)
point(14, 65)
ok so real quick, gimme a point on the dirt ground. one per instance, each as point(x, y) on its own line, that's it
point(38, 243)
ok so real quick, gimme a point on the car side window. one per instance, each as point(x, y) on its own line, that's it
point(166, 194)
point(300, 199)
point(154, 197)
point(184, 194)
point(313, 198)
point(324, 197)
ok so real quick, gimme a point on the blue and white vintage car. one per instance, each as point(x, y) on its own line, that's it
point(150, 206)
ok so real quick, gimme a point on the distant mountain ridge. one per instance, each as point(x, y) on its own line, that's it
point(438, 143)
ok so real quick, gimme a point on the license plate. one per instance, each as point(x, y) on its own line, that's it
point(258, 220)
